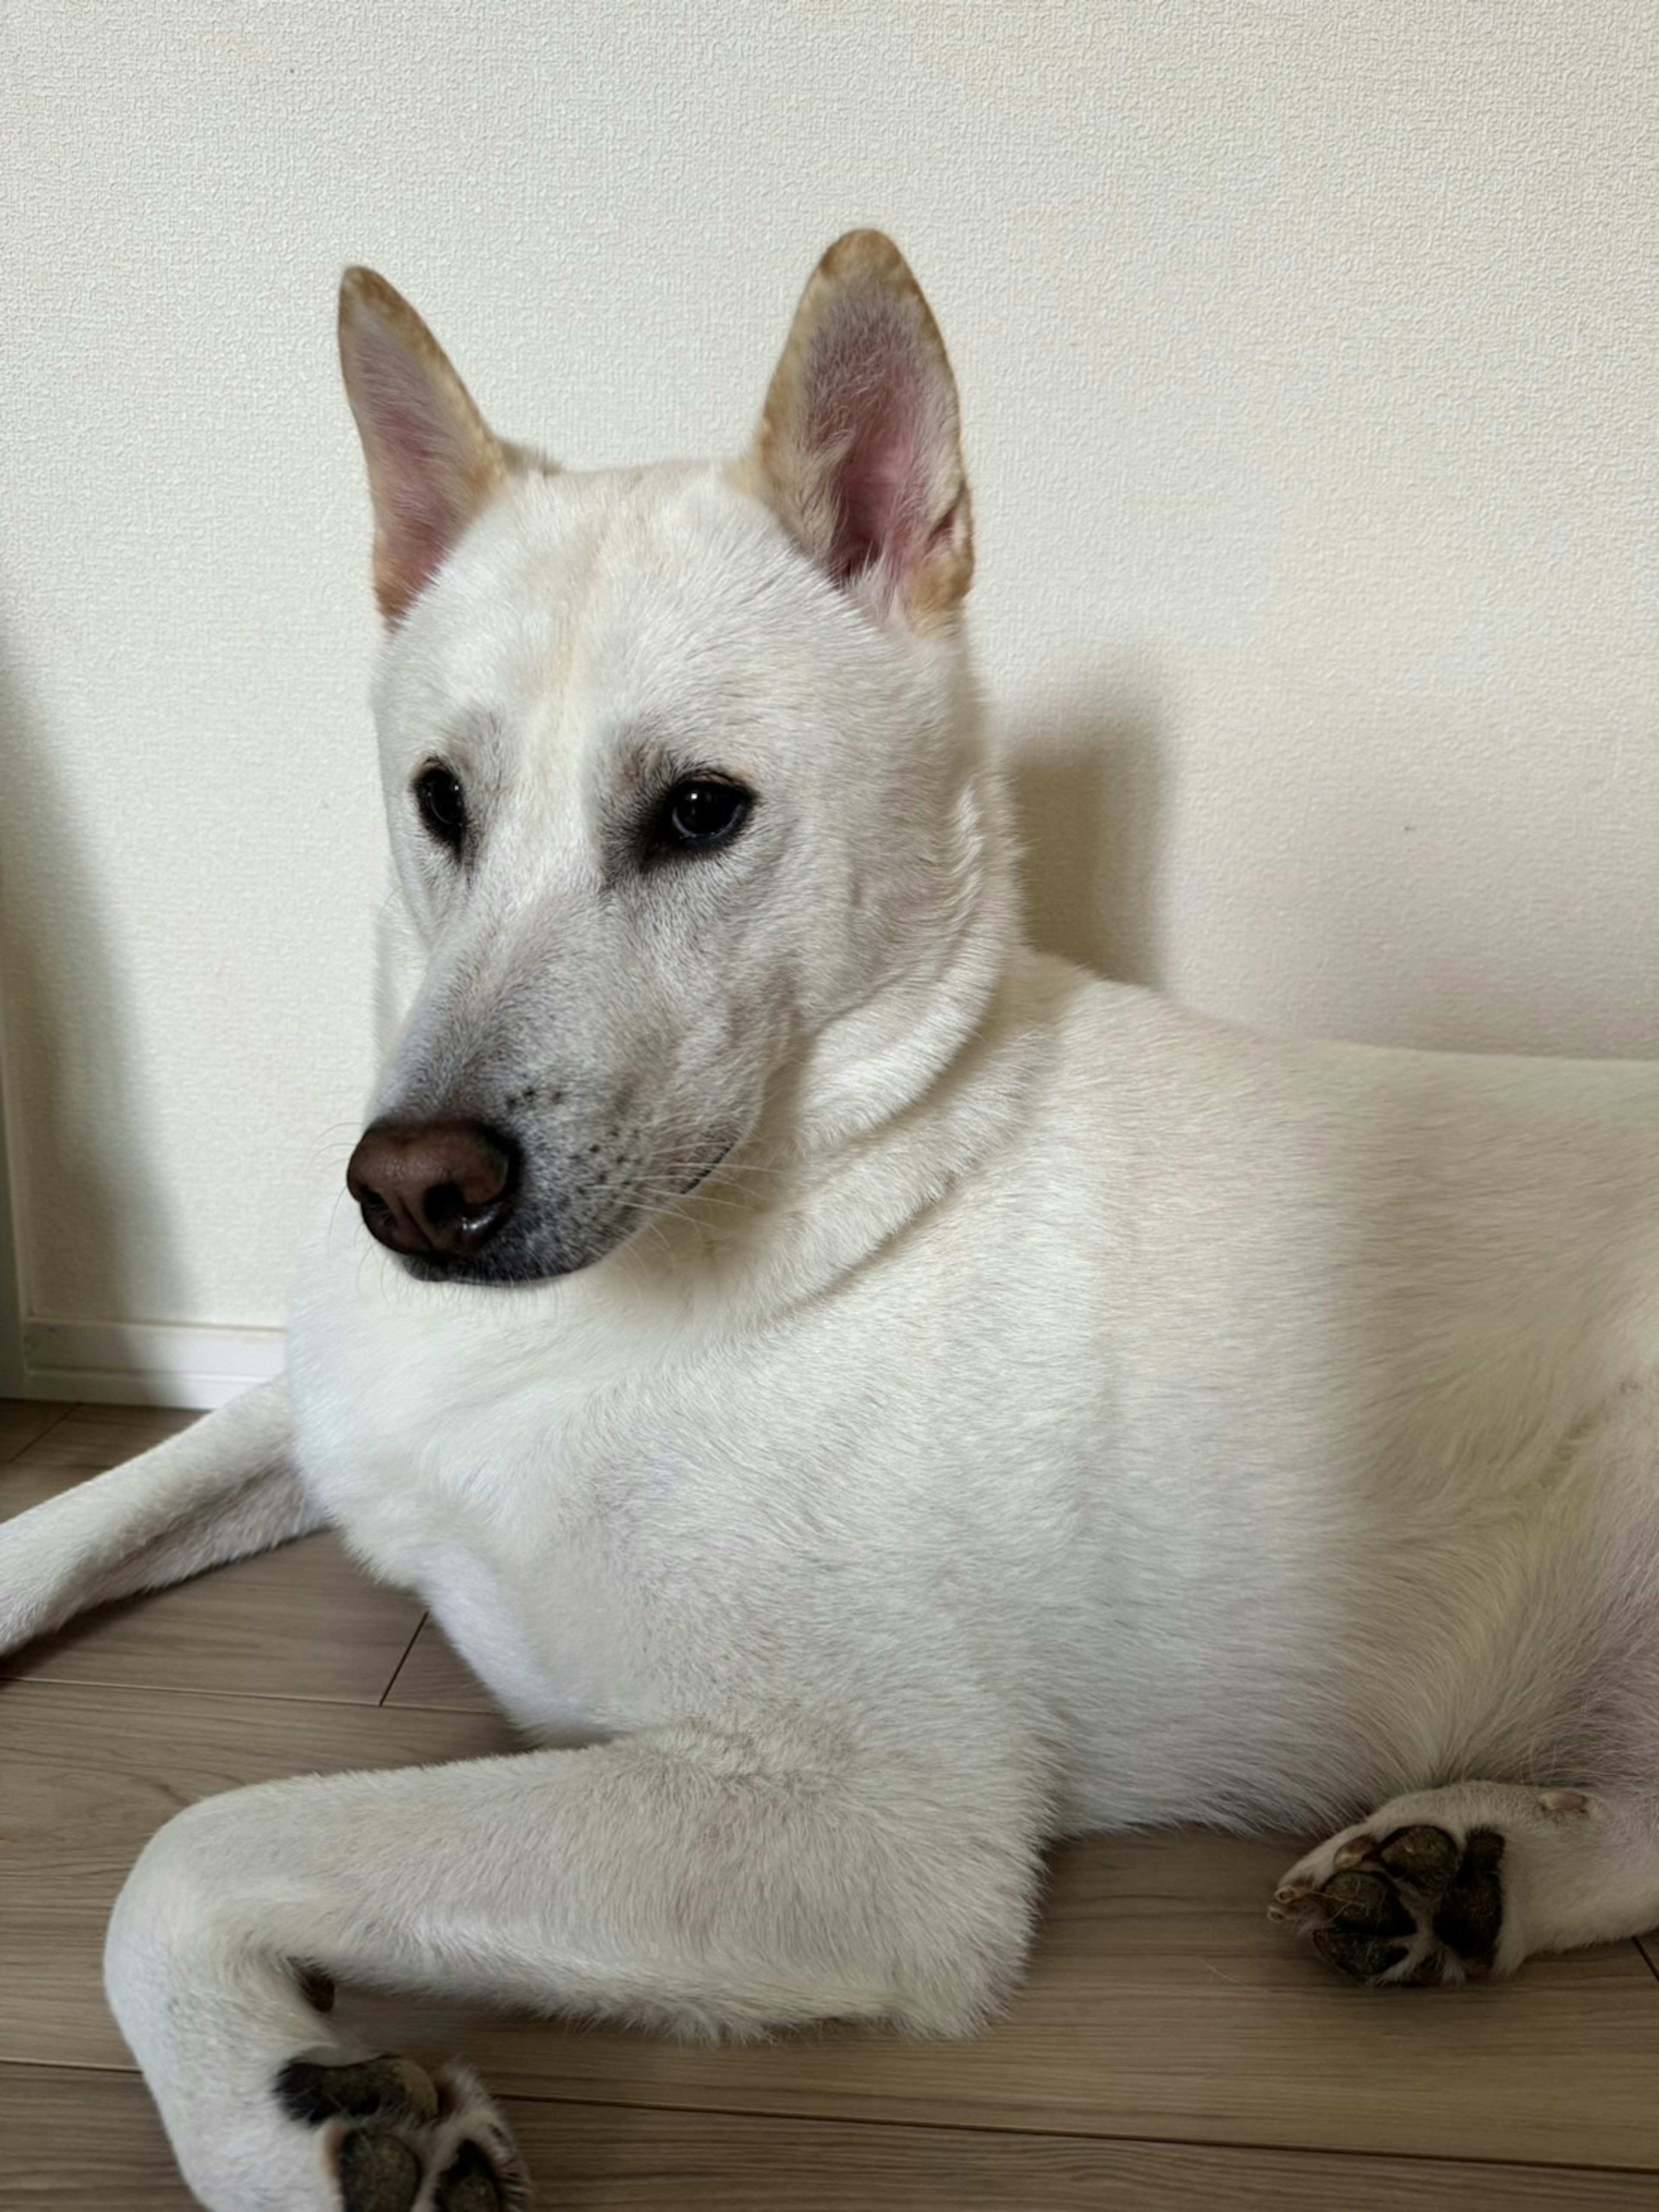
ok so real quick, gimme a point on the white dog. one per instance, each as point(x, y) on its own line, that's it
point(867, 1398)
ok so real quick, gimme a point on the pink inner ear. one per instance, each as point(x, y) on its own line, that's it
point(423, 510)
point(419, 472)
point(868, 419)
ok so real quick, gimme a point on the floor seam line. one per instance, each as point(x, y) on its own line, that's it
point(1039, 2127)
point(402, 1661)
point(368, 1703)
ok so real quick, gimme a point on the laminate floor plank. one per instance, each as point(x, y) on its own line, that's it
point(434, 1673)
point(89, 1438)
point(24, 1421)
point(1161, 2004)
point(88, 1773)
point(91, 2141)
point(300, 1622)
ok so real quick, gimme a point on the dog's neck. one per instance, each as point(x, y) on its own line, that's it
point(877, 1059)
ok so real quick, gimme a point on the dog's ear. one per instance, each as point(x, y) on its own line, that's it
point(859, 451)
point(433, 463)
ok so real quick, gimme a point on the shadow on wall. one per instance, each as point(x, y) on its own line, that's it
point(84, 1208)
point(1088, 779)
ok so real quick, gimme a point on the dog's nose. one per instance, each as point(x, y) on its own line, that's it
point(433, 1190)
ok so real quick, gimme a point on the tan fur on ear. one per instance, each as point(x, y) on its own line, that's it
point(433, 463)
point(859, 451)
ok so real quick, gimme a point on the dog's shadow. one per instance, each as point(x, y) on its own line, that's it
point(1089, 782)
point(89, 1226)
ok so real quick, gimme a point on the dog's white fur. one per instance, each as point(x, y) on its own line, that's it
point(1058, 1411)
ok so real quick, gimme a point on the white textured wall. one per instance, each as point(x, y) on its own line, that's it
point(1308, 357)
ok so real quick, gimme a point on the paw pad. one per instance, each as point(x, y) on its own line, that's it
point(377, 2172)
point(399, 2139)
point(1427, 1859)
point(469, 2184)
point(392, 2089)
point(1419, 1908)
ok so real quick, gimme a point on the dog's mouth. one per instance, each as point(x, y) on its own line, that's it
point(457, 1203)
point(498, 1272)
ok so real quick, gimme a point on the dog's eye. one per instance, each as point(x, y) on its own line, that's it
point(443, 805)
point(702, 811)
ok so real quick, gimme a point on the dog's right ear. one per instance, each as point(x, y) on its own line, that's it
point(433, 463)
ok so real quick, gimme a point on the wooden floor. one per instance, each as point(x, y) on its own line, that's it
point(1172, 2049)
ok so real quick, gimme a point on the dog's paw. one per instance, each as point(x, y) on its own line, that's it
point(1388, 1903)
point(398, 2139)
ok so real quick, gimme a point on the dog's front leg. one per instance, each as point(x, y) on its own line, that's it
point(703, 1879)
point(221, 1489)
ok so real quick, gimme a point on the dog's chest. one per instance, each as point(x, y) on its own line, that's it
point(500, 1483)
point(517, 1535)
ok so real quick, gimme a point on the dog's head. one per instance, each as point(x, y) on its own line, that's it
point(683, 782)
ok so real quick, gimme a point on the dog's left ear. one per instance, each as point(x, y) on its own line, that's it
point(433, 462)
point(859, 451)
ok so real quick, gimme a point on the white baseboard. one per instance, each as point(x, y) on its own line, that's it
point(145, 1363)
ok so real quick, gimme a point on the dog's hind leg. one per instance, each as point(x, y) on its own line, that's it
point(1449, 1884)
point(221, 1489)
point(700, 1878)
